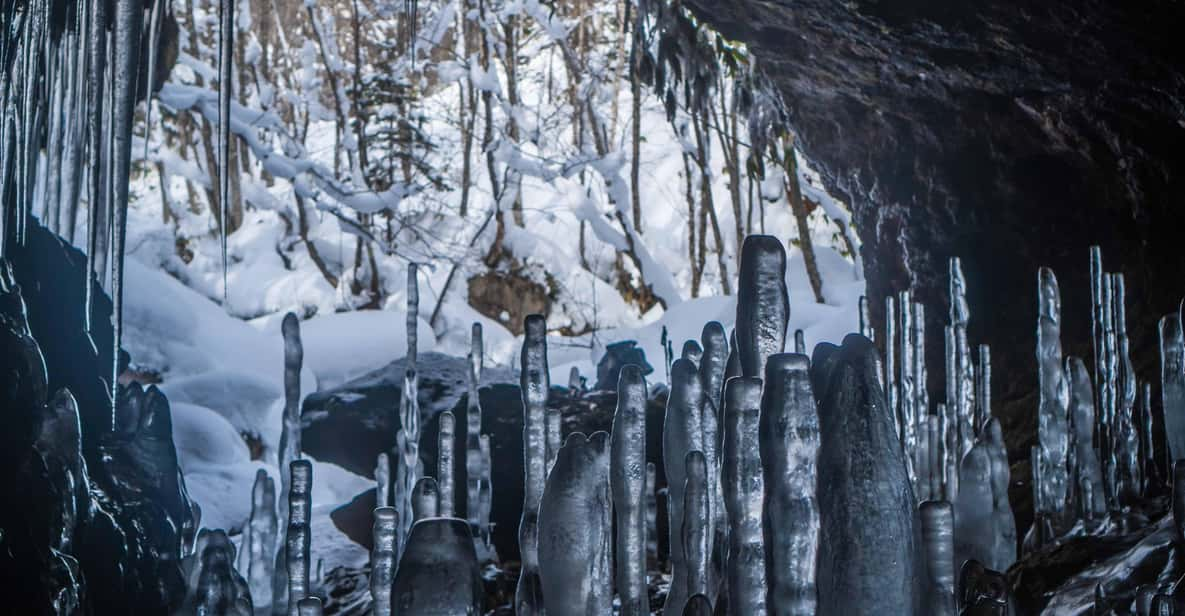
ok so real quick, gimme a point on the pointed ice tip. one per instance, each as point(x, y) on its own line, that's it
point(742, 392)
point(698, 605)
point(786, 362)
point(290, 326)
point(534, 327)
point(630, 375)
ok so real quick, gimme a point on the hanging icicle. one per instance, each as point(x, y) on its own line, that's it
point(226, 33)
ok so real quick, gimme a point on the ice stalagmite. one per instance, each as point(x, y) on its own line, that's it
point(1087, 471)
point(763, 303)
point(651, 515)
point(485, 494)
point(535, 384)
point(1172, 384)
point(682, 432)
point(1127, 435)
point(868, 538)
point(407, 442)
point(299, 537)
point(890, 366)
point(950, 450)
point(1052, 426)
point(961, 397)
point(1107, 387)
point(789, 435)
point(425, 499)
point(413, 314)
point(692, 351)
point(382, 480)
point(713, 364)
point(382, 561)
point(799, 342)
point(309, 606)
point(698, 605)
point(261, 545)
point(446, 443)
point(1178, 504)
point(696, 532)
point(129, 19)
point(1147, 444)
point(742, 480)
point(938, 539)
point(905, 393)
point(921, 402)
point(473, 459)
point(627, 477)
point(290, 428)
point(983, 388)
point(226, 56)
point(438, 572)
point(865, 320)
point(984, 530)
point(213, 586)
point(575, 552)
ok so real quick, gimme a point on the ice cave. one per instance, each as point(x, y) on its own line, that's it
point(587, 308)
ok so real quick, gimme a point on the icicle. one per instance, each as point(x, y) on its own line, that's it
point(290, 428)
point(692, 352)
point(890, 366)
point(128, 20)
point(938, 538)
point(1172, 384)
point(382, 480)
point(1052, 428)
point(855, 432)
point(425, 499)
point(446, 442)
point(1088, 473)
point(697, 530)
point(763, 303)
point(1097, 304)
point(983, 388)
point(309, 606)
point(298, 540)
point(682, 433)
point(799, 342)
point(154, 27)
point(438, 572)
point(921, 403)
point(261, 544)
point(627, 476)
point(575, 552)
point(789, 435)
point(413, 314)
point(744, 495)
point(382, 561)
point(535, 386)
point(96, 193)
point(226, 34)
point(865, 321)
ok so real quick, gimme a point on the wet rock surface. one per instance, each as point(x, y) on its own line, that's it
point(104, 515)
point(1012, 135)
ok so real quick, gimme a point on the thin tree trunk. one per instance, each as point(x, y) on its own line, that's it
point(794, 192)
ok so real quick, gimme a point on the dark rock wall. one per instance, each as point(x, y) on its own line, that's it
point(1010, 134)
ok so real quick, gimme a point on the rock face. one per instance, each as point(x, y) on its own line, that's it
point(100, 517)
point(1010, 135)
